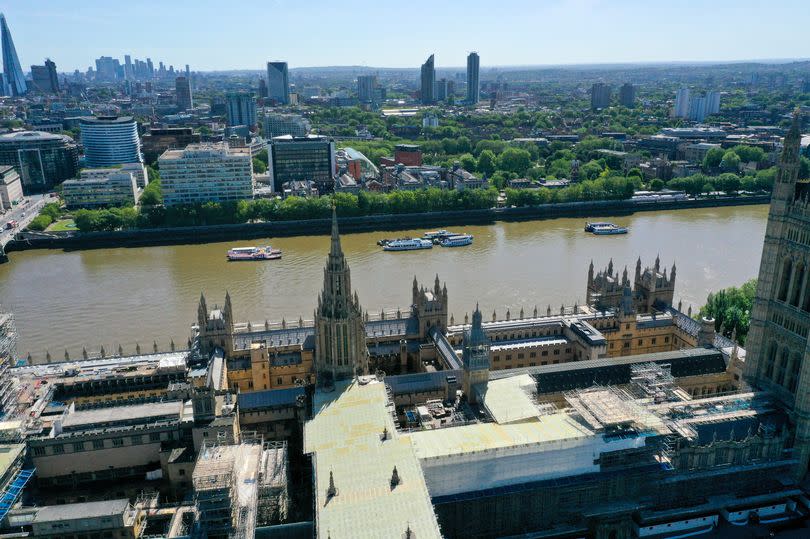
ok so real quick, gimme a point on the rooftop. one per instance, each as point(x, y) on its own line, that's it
point(114, 415)
point(76, 511)
point(345, 438)
point(22, 136)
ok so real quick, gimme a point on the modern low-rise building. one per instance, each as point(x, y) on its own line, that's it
point(276, 125)
point(42, 159)
point(138, 170)
point(11, 191)
point(111, 518)
point(115, 188)
point(206, 173)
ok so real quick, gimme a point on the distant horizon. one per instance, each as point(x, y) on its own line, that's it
point(517, 33)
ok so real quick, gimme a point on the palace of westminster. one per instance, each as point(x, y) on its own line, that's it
point(620, 418)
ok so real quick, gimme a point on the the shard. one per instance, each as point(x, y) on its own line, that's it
point(12, 71)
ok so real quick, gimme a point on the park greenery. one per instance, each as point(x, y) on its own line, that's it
point(731, 310)
point(50, 212)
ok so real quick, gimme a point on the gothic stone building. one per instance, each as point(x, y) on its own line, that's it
point(779, 357)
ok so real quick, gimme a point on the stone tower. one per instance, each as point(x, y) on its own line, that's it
point(215, 327)
point(340, 335)
point(475, 357)
point(429, 307)
point(778, 357)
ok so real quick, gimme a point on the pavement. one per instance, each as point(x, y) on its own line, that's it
point(23, 213)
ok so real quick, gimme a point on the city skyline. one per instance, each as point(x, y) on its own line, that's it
point(583, 32)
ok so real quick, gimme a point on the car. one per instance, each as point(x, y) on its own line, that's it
point(11, 224)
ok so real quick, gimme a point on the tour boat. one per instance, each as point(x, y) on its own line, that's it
point(436, 234)
point(407, 245)
point(456, 240)
point(590, 226)
point(254, 253)
point(608, 230)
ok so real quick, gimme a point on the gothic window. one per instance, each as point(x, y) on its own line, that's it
point(784, 282)
point(782, 368)
point(798, 281)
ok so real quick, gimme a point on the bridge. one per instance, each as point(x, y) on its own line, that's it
point(23, 214)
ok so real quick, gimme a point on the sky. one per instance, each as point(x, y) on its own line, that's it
point(245, 34)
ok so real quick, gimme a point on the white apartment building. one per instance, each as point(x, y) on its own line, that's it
point(117, 188)
point(137, 169)
point(206, 173)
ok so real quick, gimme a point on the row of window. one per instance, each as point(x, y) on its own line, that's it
point(653, 342)
point(58, 449)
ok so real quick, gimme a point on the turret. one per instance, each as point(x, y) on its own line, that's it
point(475, 357)
point(590, 274)
point(202, 313)
point(638, 269)
point(415, 291)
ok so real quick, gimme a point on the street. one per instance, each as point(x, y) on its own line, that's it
point(30, 207)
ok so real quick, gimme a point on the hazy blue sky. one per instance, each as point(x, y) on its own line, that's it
point(240, 34)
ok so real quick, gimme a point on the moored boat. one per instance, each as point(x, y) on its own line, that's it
point(408, 245)
point(590, 226)
point(457, 240)
point(608, 230)
point(254, 253)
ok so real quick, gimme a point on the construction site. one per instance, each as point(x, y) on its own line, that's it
point(238, 487)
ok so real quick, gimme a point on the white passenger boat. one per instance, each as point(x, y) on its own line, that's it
point(254, 253)
point(457, 240)
point(408, 245)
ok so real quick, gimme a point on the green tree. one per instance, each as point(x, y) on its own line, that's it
point(713, 158)
point(656, 184)
point(515, 160)
point(749, 154)
point(728, 182)
point(259, 167)
point(486, 162)
point(730, 162)
point(804, 168)
point(467, 162)
point(152, 194)
point(731, 309)
point(40, 222)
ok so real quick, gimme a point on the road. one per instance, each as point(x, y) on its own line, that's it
point(23, 213)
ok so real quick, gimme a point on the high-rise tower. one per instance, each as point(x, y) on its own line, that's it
point(428, 81)
point(278, 82)
point(473, 88)
point(12, 70)
point(340, 334)
point(778, 357)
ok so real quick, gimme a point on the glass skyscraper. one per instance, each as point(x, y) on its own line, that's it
point(278, 82)
point(473, 87)
point(12, 71)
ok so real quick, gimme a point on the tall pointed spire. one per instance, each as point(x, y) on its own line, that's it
point(336, 248)
point(12, 71)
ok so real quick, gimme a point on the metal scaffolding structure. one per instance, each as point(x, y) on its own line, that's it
point(8, 357)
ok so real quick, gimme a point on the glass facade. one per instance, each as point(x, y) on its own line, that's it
point(41, 159)
point(310, 158)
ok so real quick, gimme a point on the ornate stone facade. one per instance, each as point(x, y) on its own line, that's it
point(778, 354)
point(652, 289)
point(340, 334)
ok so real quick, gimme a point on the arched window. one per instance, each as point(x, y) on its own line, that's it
point(798, 282)
point(782, 367)
point(770, 359)
point(784, 279)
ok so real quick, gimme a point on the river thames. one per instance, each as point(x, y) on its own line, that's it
point(139, 295)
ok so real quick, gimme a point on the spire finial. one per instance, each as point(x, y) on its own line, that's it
point(395, 479)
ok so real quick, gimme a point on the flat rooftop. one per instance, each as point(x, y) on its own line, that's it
point(76, 511)
point(120, 415)
point(345, 438)
point(8, 454)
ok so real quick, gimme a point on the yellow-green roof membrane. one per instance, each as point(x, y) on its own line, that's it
point(345, 437)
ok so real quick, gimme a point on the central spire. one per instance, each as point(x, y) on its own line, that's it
point(336, 249)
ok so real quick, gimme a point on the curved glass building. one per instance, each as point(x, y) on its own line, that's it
point(42, 159)
point(110, 141)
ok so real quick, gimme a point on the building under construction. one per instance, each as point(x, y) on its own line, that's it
point(238, 486)
point(8, 357)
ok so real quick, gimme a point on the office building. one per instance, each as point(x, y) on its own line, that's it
point(780, 320)
point(110, 140)
point(115, 188)
point(473, 83)
point(681, 109)
point(107, 69)
point(627, 95)
point(428, 81)
point(128, 68)
point(206, 173)
point(712, 102)
point(302, 158)
point(138, 171)
point(157, 141)
point(278, 82)
point(366, 85)
point(262, 90)
point(441, 90)
point(276, 125)
point(11, 191)
point(41, 159)
point(109, 518)
point(14, 80)
point(600, 96)
point(182, 89)
point(44, 78)
point(240, 109)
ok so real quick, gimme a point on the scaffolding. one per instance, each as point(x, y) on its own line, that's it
point(226, 483)
point(13, 490)
point(273, 500)
point(8, 358)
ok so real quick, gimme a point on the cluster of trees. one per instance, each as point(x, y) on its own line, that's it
point(50, 212)
point(727, 182)
point(609, 188)
point(291, 208)
point(731, 310)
